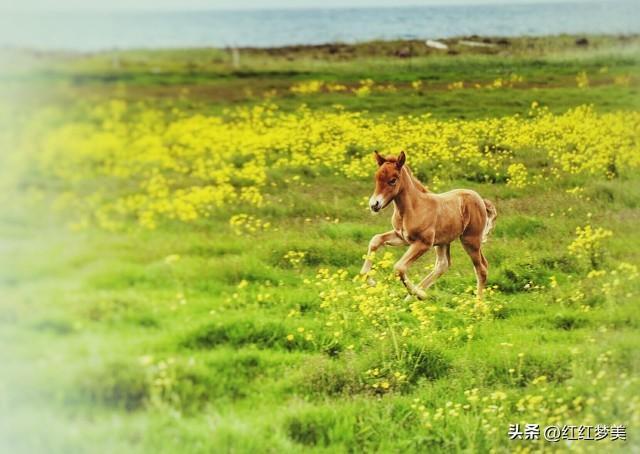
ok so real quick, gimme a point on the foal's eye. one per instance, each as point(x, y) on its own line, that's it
point(393, 181)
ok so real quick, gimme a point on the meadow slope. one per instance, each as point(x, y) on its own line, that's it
point(181, 239)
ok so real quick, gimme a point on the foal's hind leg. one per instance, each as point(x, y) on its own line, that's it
point(472, 246)
point(389, 238)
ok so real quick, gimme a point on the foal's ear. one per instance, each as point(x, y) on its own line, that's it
point(400, 160)
point(379, 158)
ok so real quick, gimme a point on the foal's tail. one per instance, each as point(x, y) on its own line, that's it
point(492, 214)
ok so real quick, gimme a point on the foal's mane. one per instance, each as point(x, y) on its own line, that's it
point(417, 182)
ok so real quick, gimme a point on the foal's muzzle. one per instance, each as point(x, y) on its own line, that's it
point(376, 202)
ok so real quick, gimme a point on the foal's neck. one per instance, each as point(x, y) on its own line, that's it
point(408, 194)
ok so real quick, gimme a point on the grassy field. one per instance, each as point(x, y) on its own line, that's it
point(181, 236)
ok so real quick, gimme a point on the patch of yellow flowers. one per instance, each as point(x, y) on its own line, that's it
point(295, 258)
point(517, 175)
point(117, 162)
point(380, 315)
point(367, 86)
point(245, 224)
point(540, 402)
point(588, 243)
point(582, 80)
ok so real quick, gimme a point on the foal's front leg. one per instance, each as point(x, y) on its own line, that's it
point(442, 265)
point(390, 238)
point(415, 251)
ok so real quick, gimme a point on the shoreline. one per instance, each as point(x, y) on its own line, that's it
point(400, 48)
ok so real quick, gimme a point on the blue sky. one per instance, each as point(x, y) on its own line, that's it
point(49, 5)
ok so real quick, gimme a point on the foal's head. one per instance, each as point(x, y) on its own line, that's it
point(387, 181)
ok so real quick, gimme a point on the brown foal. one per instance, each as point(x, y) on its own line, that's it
point(422, 219)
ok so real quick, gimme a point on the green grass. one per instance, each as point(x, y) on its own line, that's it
point(82, 311)
point(84, 314)
point(205, 80)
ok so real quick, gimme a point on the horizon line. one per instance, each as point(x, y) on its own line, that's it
point(168, 9)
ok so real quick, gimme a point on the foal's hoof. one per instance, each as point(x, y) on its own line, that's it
point(408, 298)
point(371, 282)
point(421, 295)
